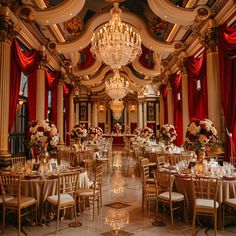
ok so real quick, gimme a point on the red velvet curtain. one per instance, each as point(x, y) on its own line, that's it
point(25, 62)
point(66, 90)
point(177, 102)
point(227, 57)
point(197, 98)
point(163, 90)
point(144, 60)
point(52, 79)
point(89, 59)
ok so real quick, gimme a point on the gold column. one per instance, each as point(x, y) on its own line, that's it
point(140, 114)
point(144, 114)
point(213, 80)
point(60, 109)
point(162, 120)
point(72, 120)
point(95, 114)
point(40, 93)
point(6, 35)
point(89, 114)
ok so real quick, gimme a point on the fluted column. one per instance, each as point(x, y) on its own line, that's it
point(170, 106)
point(40, 93)
point(162, 113)
point(6, 34)
point(95, 115)
point(213, 81)
point(89, 114)
point(140, 114)
point(185, 107)
point(157, 117)
point(125, 120)
point(60, 109)
point(77, 113)
point(72, 120)
point(144, 114)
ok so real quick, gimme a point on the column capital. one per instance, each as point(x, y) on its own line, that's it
point(7, 29)
point(42, 58)
point(211, 39)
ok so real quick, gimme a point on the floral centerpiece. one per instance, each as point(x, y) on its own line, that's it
point(42, 134)
point(168, 133)
point(137, 131)
point(95, 132)
point(199, 134)
point(117, 128)
point(78, 132)
point(147, 133)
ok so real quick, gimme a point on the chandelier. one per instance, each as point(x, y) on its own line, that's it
point(117, 107)
point(116, 219)
point(116, 43)
point(117, 87)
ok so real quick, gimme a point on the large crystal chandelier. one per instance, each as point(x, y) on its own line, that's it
point(116, 43)
point(117, 107)
point(117, 87)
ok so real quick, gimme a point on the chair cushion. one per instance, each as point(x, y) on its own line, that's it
point(64, 199)
point(230, 202)
point(7, 198)
point(206, 203)
point(24, 202)
point(174, 196)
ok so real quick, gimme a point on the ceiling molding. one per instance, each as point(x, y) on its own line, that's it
point(65, 11)
point(177, 15)
point(85, 39)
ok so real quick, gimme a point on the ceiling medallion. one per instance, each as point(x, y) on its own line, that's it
point(116, 43)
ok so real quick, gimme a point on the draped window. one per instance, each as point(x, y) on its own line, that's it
point(177, 102)
point(52, 79)
point(163, 90)
point(25, 62)
point(227, 57)
point(197, 87)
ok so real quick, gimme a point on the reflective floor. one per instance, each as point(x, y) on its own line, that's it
point(121, 213)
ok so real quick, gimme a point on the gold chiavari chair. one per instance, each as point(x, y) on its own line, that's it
point(166, 195)
point(229, 203)
point(204, 199)
point(67, 186)
point(18, 160)
point(13, 200)
point(94, 193)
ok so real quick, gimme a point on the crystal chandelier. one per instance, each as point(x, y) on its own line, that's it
point(117, 107)
point(116, 219)
point(116, 43)
point(117, 87)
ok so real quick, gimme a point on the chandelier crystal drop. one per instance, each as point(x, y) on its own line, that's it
point(117, 87)
point(117, 107)
point(116, 43)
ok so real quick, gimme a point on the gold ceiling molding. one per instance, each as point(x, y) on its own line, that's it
point(178, 15)
point(65, 11)
point(128, 17)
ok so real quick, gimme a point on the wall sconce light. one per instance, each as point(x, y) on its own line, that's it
point(101, 108)
point(178, 96)
point(198, 85)
point(132, 108)
point(20, 103)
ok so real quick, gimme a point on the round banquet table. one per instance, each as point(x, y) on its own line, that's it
point(40, 189)
point(226, 189)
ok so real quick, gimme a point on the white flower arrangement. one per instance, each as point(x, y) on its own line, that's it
point(42, 133)
point(147, 132)
point(137, 131)
point(168, 133)
point(78, 131)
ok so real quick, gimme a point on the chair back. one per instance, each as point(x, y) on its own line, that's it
point(98, 177)
point(164, 181)
point(18, 160)
point(10, 186)
point(68, 184)
point(204, 188)
point(160, 161)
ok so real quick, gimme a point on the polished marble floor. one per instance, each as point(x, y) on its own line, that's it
point(122, 205)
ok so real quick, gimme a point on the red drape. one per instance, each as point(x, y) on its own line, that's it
point(89, 59)
point(227, 57)
point(178, 113)
point(52, 79)
point(144, 60)
point(133, 126)
point(25, 62)
point(67, 92)
point(197, 99)
point(163, 90)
